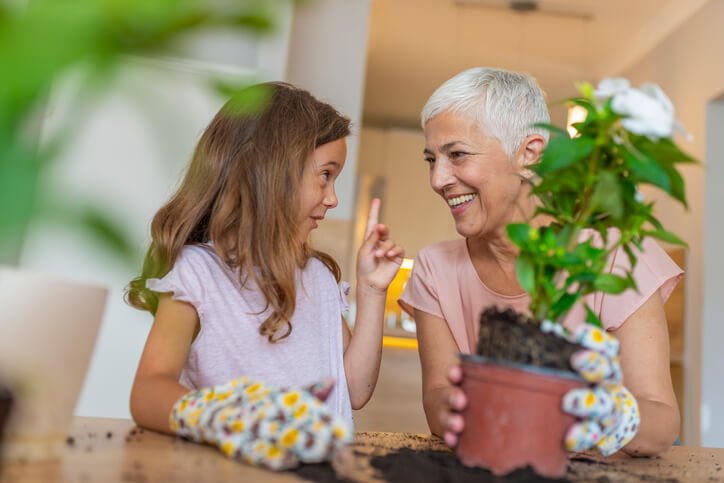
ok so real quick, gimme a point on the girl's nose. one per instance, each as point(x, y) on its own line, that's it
point(330, 199)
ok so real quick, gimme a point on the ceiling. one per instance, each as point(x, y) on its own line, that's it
point(415, 45)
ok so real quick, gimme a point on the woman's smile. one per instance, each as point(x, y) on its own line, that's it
point(460, 203)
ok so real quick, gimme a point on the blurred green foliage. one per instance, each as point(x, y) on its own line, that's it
point(41, 40)
point(591, 182)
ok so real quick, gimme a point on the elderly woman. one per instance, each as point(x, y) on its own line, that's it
point(478, 143)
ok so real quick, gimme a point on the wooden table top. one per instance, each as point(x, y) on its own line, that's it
point(116, 450)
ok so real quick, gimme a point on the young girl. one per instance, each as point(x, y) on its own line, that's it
point(236, 289)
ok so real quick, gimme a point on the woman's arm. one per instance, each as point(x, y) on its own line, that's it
point(442, 397)
point(156, 388)
point(644, 339)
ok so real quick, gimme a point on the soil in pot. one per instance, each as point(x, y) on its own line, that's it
point(508, 336)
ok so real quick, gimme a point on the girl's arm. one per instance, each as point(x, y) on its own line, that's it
point(378, 261)
point(644, 339)
point(442, 398)
point(156, 388)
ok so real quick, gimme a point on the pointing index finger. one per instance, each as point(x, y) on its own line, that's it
point(373, 216)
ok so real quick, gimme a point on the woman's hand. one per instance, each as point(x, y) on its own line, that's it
point(442, 397)
point(379, 258)
point(452, 403)
point(609, 412)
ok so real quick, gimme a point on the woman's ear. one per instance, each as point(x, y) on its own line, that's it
point(529, 153)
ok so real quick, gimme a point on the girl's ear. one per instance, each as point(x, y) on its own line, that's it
point(529, 153)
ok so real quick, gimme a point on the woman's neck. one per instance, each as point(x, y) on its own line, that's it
point(494, 257)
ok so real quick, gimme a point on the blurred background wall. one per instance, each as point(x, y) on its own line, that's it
point(377, 61)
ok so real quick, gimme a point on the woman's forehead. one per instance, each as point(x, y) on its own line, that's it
point(448, 128)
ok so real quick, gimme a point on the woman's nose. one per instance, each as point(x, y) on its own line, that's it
point(441, 175)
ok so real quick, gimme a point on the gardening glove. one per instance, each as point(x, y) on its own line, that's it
point(609, 412)
point(261, 424)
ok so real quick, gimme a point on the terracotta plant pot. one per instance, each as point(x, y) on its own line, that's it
point(513, 418)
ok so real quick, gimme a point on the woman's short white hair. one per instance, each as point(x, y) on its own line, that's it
point(506, 103)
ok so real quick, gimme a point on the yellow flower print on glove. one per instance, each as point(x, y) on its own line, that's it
point(608, 411)
point(261, 424)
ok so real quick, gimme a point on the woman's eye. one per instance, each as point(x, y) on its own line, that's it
point(325, 175)
point(457, 154)
point(429, 160)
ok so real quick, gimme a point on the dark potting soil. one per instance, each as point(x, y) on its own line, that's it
point(406, 465)
point(321, 473)
point(512, 337)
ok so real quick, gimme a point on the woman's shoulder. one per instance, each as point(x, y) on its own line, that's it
point(443, 252)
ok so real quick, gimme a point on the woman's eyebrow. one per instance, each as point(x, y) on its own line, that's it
point(446, 146)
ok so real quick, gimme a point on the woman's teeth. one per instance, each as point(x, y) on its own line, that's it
point(459, 200)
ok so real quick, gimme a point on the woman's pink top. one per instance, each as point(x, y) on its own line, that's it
point(444, 283)
point(229, 344)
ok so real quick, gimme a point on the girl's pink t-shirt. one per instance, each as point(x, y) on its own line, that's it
point(229, 345)
point(444, 283)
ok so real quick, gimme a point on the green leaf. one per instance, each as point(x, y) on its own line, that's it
point(554, 130)
point(610, 283)
point(564, 303)
point(646, 169)
point(666, 236)
point(677, 183)
point(663, 150)
point(251, 101)
point(591, 317)
point(562, 152)
point(631, 255)
point(518, 233)
point(607, 195)
point(525, 269)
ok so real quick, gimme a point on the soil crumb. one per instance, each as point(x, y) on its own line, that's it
point(441, 466)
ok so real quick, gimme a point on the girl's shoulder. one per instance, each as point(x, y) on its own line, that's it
point(199, 258)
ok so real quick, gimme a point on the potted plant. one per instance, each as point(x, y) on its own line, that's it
point(588, 187)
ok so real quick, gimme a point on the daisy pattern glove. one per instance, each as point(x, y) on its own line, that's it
point(609, 412)
point(261, 424)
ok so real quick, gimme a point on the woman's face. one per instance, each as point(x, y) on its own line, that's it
point(317, 194)
point(472, 173)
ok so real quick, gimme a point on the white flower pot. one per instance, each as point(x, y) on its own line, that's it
point(48, 328)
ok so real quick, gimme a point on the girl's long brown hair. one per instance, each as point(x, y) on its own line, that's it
point(241, 193)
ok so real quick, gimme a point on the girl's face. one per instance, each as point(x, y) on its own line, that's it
point(472, 173)
point(317, 194)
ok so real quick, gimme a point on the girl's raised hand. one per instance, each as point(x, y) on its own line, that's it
point(379, 258)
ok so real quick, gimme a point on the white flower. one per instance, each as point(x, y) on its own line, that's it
point(611, 86)
point(639, 197)
point(646, 112)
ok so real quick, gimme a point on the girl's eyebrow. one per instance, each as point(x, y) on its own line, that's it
point(332, 162)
